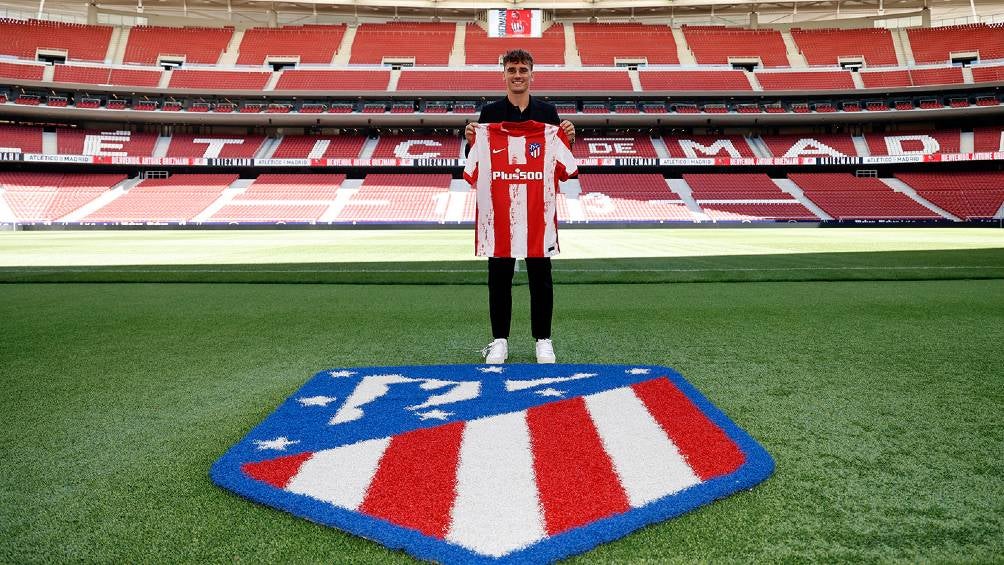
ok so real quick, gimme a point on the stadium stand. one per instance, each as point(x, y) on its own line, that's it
point(587, 146)
point(219, 80)
point(698, 146)
point(629, 197)
point(282, 198)
point(428, 43)
point(836, 80)
point(988, 139)
point(886, 79)
point(25, 72)
point(811, 145)
point(200, 45)
point(988, 74)
point(333, 80)
point(246, 212)
point(23, 139)
point(312, 44)
point(715, 45)
point(284, 186)
point(71, 141)
point(847, 197)
point(492, 81)
point(45, 197)
point(320, 147)
point(693, 80)
point(968, 195)
point(757, 211)
point(209, 146)
point(603, 44)
point(936, 44)
point(549, 49)
point(908, 143)
point(825, 47)
point(628, 186)
point(417, 146)
point(751, 186)
point(178, 198)
point(563, 81)
point(744, 197)
point(398, 198)
point(451, 81)
point(106, 75)
point(23, 38)
point(951, 75)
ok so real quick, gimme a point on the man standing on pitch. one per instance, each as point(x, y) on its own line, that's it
point(519, 106)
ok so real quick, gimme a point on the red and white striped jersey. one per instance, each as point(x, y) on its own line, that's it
point(515, 168)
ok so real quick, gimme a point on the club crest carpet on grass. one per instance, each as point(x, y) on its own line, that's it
point(493, 464)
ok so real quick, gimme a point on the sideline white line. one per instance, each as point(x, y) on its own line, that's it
point(98, 269)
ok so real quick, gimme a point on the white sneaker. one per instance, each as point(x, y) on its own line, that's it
point(496, 352)
point(545, 351)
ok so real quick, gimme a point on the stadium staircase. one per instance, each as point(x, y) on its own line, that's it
point(572, 58)
point(233, 50)
point(899, 186)
point(267, 149)
point(101, 201)
point(904, 45)
point(791, 188)
point(236, 188)
point(457, 55)
point(117, 45)
point(272, 81)
point(861, 145)
point(682, 189)
point(795, 58)
point(897, 45)
point(161, 146)
point(345, 193)
point(48, 72)
point(50, 145)
point(967, 142)
point(683, 51)
point(344, 52)
point(7, 215)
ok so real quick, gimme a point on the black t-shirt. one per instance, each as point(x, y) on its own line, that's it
point(504, 111)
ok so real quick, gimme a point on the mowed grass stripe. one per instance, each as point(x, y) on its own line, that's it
point(891, 265)
point(238, 247)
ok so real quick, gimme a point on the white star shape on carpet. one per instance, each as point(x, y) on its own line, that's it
point(550, 392)
point(638, 371)
point(490, 369)
point(316, 400)
point(436, 414)
point(337, 374)
point(280, 443)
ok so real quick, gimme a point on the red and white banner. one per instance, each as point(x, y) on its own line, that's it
point(515, 23)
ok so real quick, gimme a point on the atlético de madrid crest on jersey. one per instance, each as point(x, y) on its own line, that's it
point(533, 149)
point(493, 464)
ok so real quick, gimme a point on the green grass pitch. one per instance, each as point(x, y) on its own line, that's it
point(868, 362)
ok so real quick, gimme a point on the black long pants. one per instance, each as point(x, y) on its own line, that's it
point(500, 273)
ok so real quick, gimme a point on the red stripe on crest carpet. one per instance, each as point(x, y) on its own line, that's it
point(276, 472)
point(414, 484)
point(575, 478)
point(702, 443)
